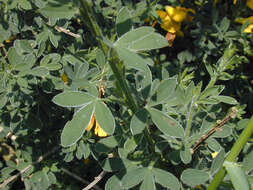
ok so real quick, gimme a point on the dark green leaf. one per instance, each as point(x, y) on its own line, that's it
point(108, 143)
point(139, 121)
point(123, 21)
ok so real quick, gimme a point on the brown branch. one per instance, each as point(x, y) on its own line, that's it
point(216, 128)
point(10, 179)
point(96, 180)
point(79, 178)
point(66, 31)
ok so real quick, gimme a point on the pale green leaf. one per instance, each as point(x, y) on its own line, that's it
point(104, 117)
point(166, 179)
point(59, 11)
point(75, 128)
point(237, 176)
point(148, 182)
point(193, 177)
point(134, 177)
point(166, 124)
point(39, 71)
point(141, 39)
point(72, 99)
point(113, 183)
point(226, 99)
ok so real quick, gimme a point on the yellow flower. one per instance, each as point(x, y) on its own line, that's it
point(64, 78)
point(214, 154)
point(10, 39)
point(172, 18)
point(98, 130)
point(250, 4)
point(249, 28)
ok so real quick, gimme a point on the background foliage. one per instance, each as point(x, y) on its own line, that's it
point(54, 76)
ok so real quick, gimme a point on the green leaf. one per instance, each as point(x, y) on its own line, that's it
point(223, 132)
point(138, 121)
point(13, 57)
point(23, 46)
point(107, 144)
point(131, 59)
point(193, 177)
point(3, 99)
point(213, 144)
point(123, 21)
point(141, 39)
point(218, 161)
point(226, 99)
point(132, 142)
point(39, 71)
point(166, 124)
point(100, 58)
point(26, 5)
point(53, 39)
point(60, 10)
point(113, 183)
point(237, 176)
point(75, 128)
point(53, 66)
point(73, 99)
point(104, 117)
point(165, 90)
point(248, 162)
point(186, 155)
point(166, 179)
point(85, 149)
point(148, 182)
point(212, 91)
point(134, 177)
point(115, 164)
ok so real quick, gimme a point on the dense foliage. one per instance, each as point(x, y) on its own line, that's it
point(152, 93)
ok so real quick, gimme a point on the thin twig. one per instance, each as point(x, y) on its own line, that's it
point(66, 31)
point(79, 178)
point(96, 180)
point(213, 130)
point(10, 179)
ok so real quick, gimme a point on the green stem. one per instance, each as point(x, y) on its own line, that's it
point(237, 147)
point(189, 122)
point(123, 85)
point(114, 62)
point(88, 16)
